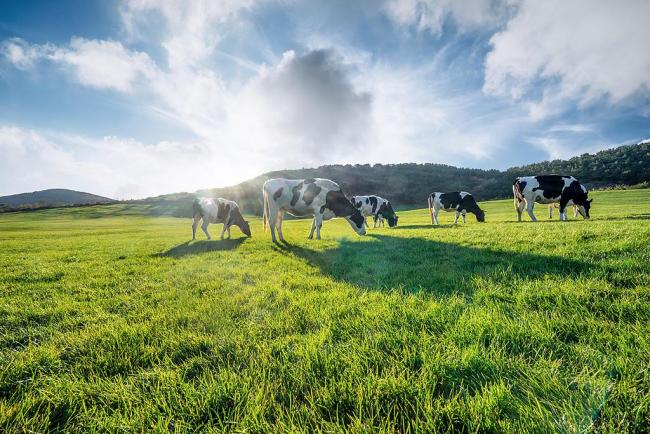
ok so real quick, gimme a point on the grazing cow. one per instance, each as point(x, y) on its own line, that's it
point(218, 211)
point(316, 197)
point(557, 206)
point(377, 207)
point(548, 189)
point(460, 201)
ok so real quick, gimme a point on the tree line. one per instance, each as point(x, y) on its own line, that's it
point(408, 185)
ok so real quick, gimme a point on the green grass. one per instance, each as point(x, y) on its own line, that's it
point(111, 321)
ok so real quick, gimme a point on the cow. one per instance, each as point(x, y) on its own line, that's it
point(460, 201)
point(557, 206)
point(549, 189)
point(377, 207)
point(218, 211)
point(317, 197)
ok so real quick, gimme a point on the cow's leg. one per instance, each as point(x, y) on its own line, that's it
point(575, 211)
point(457, 215)
point(435, 215)
point(529, 209)
point(272, 218)
point(563, 204)
point(313, 228)
point(195, 224)
point(204, 226)
point(520, 209)
point(550, 212)
point(279, 225)
point(464, 217)
point(318, 219)
point(228, 232)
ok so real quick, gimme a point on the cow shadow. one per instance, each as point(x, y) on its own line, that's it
point(426, 226)
point(199, 247)
point(411, 265)
point(628, 217)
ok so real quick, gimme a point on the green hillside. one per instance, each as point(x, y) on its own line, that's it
point(408, 185)
point(113, 321)
point(54, 197)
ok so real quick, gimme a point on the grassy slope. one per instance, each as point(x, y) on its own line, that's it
point(118, 323)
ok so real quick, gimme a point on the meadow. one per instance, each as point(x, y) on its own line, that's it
point(112, 321)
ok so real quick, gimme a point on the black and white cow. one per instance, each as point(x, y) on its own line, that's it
point(377, 207)
point(218, 211)
point(316, 197)
point(549, 189)
point(460, 201)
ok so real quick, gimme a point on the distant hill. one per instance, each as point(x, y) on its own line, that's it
point(54, 197)
point(407, 185)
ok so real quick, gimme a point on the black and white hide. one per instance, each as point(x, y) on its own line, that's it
point(376, 207)
point(550, 189)
point(460, 202)
point(218, 211)
point(317, 197)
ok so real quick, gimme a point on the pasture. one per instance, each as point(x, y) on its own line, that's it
point(111, 320)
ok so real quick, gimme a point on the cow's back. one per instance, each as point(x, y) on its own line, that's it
point(299, 197)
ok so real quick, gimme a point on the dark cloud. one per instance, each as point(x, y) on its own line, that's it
point(314, 101)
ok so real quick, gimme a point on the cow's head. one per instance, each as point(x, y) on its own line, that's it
point(357, 222)
point(583, 208)
point(336, 202)
point(387, 212)
point(480, 214)
point(238, 220)
point(245, 228)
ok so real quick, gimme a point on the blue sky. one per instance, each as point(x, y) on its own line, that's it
point(141, 97)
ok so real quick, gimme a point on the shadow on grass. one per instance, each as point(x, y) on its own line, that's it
point(628, 217)
point(426, 226)
point(412, 265)
point(198, 247)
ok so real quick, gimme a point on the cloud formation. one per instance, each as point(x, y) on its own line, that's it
point(110, 166)
point(305, 107)
point(579, 51)
point(94, 63)
point(468, 82)
point(430, 15)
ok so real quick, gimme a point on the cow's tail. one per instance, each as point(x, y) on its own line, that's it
point(196, 209)
point(265, 212)
point(518, 197)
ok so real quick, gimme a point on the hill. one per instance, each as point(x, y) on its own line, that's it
point(54, 197)
point(407, 185)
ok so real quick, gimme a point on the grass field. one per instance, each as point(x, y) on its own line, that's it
point(112, 321)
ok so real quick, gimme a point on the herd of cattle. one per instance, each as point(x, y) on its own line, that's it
point(323, 200)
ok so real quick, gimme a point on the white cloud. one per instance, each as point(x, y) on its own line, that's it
point(21, 54)
point(104, 64)
point(95, 63)
point(430, 15)
point(580, 51)
point(305, 108)
point(573, 128)
point(193, 28)
point(111, 166)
